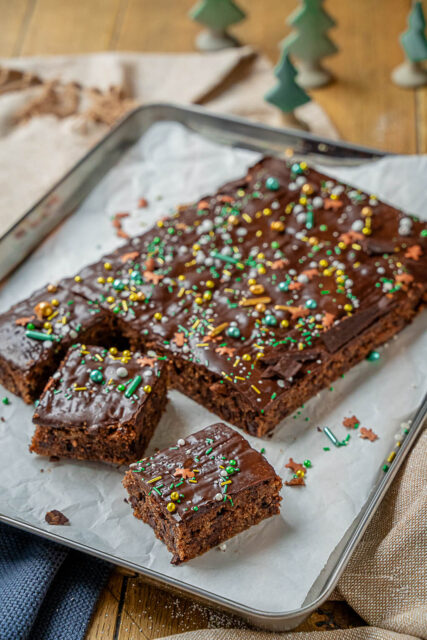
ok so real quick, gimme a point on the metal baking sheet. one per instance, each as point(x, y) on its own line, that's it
point(65, 197)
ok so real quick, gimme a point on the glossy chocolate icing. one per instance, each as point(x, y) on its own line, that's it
point(311, 248)
point(317, 255)
point(73, 399)
point(219, 463)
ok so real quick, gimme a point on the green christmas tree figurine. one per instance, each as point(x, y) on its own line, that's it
point(310, 43)
point(216, 15)
point(410, 73)
point(287, 95)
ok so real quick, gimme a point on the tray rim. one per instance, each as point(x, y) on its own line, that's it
point(272, 620)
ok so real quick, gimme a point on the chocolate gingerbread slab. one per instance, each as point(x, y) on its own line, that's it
point(265, 292)
point(203, 490)
point(102, 404)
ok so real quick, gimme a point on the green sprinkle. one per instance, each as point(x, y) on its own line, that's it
point(326, 449)
point(385, 468)
point(38, 335)
point(133, 386)
point(5, 400)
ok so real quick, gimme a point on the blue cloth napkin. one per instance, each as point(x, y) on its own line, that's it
point(47, 592)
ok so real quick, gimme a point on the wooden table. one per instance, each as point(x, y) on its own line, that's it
point(364, 105)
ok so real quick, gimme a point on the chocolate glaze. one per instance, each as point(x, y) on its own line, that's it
point(71, 316)
point(340, 252)
point(72, 399)
point(209, 453)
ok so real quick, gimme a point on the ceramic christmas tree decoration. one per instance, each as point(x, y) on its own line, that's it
point(217, 16)
point(309, 43)
point(410, 73)
point(287, 95)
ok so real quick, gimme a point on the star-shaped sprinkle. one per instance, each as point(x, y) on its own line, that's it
point(294, 466)
point(179, 339)
point(414, 252)
point(225, 351)
point(144, 361)
point(185, 474)
point(328, 320)
point(367, 434)
point(295, 482)
point(150, 276)
point(22, 322)
point(351, 423)
point(330, 203)
point(132, 255)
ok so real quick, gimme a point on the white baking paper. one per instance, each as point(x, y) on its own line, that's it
point(273, 566)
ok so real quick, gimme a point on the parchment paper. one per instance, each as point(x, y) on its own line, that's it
point(272, 566)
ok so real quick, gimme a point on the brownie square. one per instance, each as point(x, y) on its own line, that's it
point(100, 405)
point(35, 334)
point(202, 491)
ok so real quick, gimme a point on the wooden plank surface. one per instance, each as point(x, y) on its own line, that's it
point(364, 105)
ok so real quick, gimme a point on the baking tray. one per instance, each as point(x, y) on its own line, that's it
point(21, 239)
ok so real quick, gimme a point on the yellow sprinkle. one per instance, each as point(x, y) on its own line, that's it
point(391, 456)
point(300, 346)
point(80, 388)
point(225, 482)
point(98, 357)
point(247, 218)
point(53, 315)
point(226, 376)
point(258, 233)
point(203, 344)
point(154, 479)
point(239, 378)
point(110, 381)
point(196, 324)
point(236, 362)
point(219, 329)
point(255, 388)
point(190, 264)
point(252, 302)
point(125, 305)
point(227, 272)
point(356, 246)
point(193, 481)
point(181, 292)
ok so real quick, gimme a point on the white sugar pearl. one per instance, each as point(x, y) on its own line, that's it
point(357, 225)
point(223, 546)
point(73, 334)
point(317, 202)
point(223, 473)
point(181, 442)
point(218, 497)
point(122, 372)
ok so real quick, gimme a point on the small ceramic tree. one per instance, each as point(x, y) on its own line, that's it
point(310, 43)
point(217, 16)
point(410, 73)
point(287, 95)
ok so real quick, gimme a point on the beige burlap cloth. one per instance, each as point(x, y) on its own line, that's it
point(46, 128)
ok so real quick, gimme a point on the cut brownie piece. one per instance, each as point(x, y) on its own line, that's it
point(100, 405)
point(204, 490)
point(35, 334)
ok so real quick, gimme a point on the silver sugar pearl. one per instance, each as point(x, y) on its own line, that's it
point(122, 372)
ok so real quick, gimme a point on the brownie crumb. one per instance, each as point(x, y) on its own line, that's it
point(56, 517)
point(54, 458)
